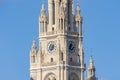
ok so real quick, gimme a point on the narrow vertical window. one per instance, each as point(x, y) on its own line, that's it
point(62, 24)
point(51, 59)
point(78, 59)
point(91, 72)
point(33, 59)
point(77, 26)
point(41, 27)
point(52, 28)
point(61, 57)
point(45, 27)
point(53, 12)
point(71, 60)
point(69, 28)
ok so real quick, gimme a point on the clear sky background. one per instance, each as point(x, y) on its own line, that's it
point(19, 26)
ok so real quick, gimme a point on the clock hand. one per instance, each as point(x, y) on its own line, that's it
point(72, 46)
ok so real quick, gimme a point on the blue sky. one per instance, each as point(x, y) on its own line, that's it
point(19, 26)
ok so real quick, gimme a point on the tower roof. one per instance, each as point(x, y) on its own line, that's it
point(91, 63)
point(43, 16)
point(43, 10)
point(43, 7)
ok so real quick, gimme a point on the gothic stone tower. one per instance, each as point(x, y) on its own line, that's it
point(60, 55)
point(91, 70)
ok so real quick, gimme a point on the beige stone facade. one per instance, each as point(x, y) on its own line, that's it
point(60, 55)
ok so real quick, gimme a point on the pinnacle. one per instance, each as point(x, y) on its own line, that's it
point(34, 45)
point(91, 65)
point(43, 6)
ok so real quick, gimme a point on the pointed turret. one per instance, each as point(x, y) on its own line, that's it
point(33, 52)
point(43, 20)
point(34, 45)
point(78, 21)
point(91, 70)
point(43, 10)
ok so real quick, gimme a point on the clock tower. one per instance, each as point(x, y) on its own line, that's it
point(60, 55)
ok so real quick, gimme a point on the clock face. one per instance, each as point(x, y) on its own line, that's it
point(51, 47)
point(71, 46)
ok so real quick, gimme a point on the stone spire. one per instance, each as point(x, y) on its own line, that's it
point(43, 10)
point(43, 20)
point(91, 67)
point(91, 70)
point(43, 16)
